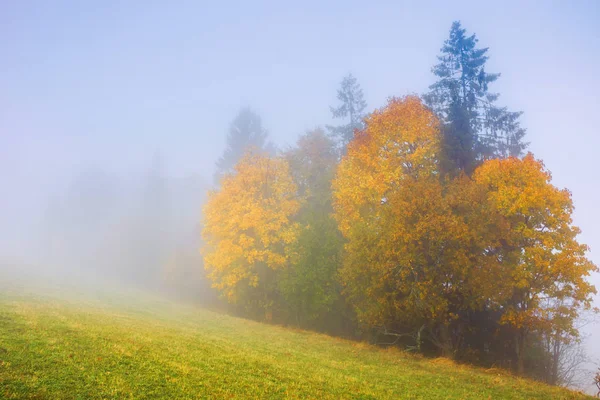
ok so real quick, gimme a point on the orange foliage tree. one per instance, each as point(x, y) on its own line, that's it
point(407, 252)
point(248, 230)
point(540, 280)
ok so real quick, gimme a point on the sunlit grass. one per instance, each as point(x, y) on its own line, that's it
point(65, 345)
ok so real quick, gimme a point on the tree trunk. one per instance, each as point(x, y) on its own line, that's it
point(519, 350)
point(555, 359)
point(268, 308)
point(446, 342)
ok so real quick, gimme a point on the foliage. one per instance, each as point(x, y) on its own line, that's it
point(531, 237)
point(474, 127)
point(399, 142)
point(246, 131)
point(433, 251)
point(248, 231)
point(406, 254)
point(352, 108)
point(310, 287)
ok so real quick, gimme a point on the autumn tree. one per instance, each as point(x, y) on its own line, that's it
point(530, 239)
point(248, 231)
point(351, 109)
point(310, 286)
point(246, 131)
point(474, 127)
point(407, 253)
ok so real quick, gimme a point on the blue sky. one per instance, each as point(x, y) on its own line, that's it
point(118, 80)
point(109, 83)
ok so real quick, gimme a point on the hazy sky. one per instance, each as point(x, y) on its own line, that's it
point(109, 83)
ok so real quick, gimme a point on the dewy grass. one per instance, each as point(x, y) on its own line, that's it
point(117, 346)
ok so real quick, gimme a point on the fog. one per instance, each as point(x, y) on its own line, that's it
point(112, 115)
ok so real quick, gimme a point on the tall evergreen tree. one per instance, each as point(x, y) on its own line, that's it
point(351, 109)
point(246, 131)
point(475, 128)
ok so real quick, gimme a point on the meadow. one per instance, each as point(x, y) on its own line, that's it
point(74, 343)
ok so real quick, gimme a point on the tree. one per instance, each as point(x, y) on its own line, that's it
point(83, 222)
point(352, 109)
point(567, 360)
point(597, 382)
point(406, 259)
point(248, 231)
point(474, 128)
point(310, 286)
point(183, 274)
point(246, 131)
point(399, 141)
point(530, 239)
point(152, 231)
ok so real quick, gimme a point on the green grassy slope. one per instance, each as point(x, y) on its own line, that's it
point(78, 346)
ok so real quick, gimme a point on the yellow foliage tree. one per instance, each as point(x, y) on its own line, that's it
point(540, 280)
point(248, 231)
point(400, 141)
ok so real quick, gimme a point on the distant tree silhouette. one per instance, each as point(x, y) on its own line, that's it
point(246, 131)
point(351, 109)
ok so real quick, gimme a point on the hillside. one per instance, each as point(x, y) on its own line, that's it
point(114, 345)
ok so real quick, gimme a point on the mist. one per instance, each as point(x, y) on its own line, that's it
point(113, 116)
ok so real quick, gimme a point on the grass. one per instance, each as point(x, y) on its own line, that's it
point(102, 345)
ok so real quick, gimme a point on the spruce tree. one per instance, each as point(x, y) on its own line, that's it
point(351, 109)
point(246, 131)
point(474, 127)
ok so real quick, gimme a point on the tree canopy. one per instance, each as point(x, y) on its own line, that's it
point(248, 230)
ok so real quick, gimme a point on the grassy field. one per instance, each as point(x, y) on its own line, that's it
point(102, 345)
